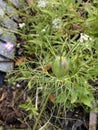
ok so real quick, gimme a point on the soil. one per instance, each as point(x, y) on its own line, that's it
point(13, 117)
point(9, 108)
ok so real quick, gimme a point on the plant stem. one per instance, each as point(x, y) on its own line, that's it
point(35, 125)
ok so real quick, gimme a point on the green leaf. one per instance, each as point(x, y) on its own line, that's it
point(74, 97)
point(29, 107)
point(95, 110)
point(61, 97)
point(87, 101)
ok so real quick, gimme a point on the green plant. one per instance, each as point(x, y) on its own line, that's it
point(30, 108)
point(60, 66)
point(52, 31)
point(1, 128)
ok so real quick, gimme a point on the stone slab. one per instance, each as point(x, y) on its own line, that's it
point(6, 66)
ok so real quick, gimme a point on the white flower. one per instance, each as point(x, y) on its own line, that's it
point(84, 37)
point(43, 30)
point(56, 23)
point(42, 3)
point(85, 40)
point(21, 25)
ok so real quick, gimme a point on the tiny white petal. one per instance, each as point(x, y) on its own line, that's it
point(84, 37)
point(43, 30)
point(42, 3)
point(21, 25)
point(56, 23)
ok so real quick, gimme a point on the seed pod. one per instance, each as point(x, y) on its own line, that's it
point(60, 66)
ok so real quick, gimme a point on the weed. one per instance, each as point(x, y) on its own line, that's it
point(65, 29)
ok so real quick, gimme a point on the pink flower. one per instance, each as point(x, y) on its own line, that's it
point(9, 46)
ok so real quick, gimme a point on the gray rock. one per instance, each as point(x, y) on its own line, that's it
point(3, 4)
point(7, 36)
point(8, 9)
point(7, 16)
point(5, 52)
point(8, 23)
point(17, 3)
point(1, 31)
point(2, 12)
point(12, 12)
point(6, 66)
point(6, 55)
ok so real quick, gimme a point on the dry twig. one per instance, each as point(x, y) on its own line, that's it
point(93, 120)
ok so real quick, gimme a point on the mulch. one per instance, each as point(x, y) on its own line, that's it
point(13, 117)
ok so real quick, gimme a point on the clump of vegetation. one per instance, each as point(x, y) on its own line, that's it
point(61, 50)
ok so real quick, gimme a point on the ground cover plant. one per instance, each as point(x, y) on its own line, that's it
point(59, 60)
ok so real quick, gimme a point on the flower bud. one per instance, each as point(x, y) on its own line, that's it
point(60, 66)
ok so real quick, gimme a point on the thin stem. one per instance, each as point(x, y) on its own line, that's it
point(35, 125)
